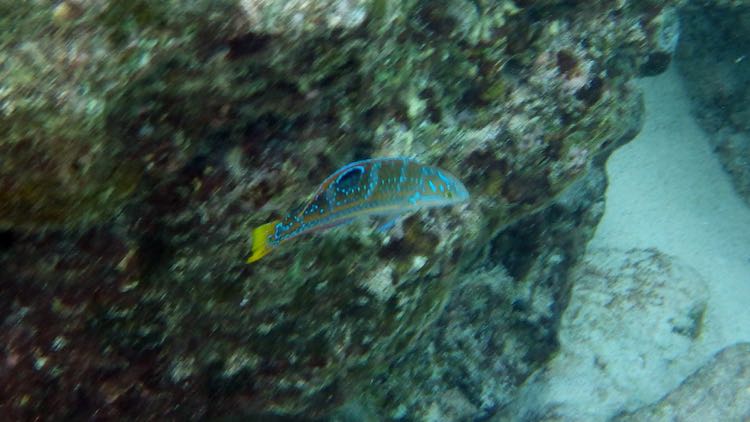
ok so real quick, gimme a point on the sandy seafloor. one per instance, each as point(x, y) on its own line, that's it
point(667, 191)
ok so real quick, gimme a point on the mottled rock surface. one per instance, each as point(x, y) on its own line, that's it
point(499, 325)
point(719, 391)
point(713, 59)
point(631, 333)
point(141, 141)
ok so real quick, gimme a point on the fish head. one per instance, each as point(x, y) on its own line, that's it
point(440, 188)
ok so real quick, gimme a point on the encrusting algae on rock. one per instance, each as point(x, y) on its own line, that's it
point(382, 187)
point(220, 112)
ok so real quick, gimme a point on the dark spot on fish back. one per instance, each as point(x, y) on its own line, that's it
point(351, 179)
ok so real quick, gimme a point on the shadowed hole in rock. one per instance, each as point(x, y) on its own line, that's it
point(7, 239)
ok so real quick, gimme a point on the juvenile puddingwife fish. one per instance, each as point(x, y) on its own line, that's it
point(388, 187)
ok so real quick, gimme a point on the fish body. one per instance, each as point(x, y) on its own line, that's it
point(367, 188)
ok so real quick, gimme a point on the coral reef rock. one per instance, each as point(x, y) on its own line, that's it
point(719, 391)
point(140, 143)
point(713, 59)
point(620, 298)
point(499, 324)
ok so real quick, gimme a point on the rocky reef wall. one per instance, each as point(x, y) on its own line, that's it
point(140, 142)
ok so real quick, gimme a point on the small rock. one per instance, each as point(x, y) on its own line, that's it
point(719, 391)
point(631, 333)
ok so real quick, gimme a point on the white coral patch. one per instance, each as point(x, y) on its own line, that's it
point(280, 16)
point(381, 283)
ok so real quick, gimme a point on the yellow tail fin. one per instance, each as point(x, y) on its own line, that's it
point(260, 241)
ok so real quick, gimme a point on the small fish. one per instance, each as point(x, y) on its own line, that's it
point(376, 187)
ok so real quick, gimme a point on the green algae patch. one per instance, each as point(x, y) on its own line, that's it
point(59, 167)
point(39, 200)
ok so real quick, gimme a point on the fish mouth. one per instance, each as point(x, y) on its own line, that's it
point(460, 195)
